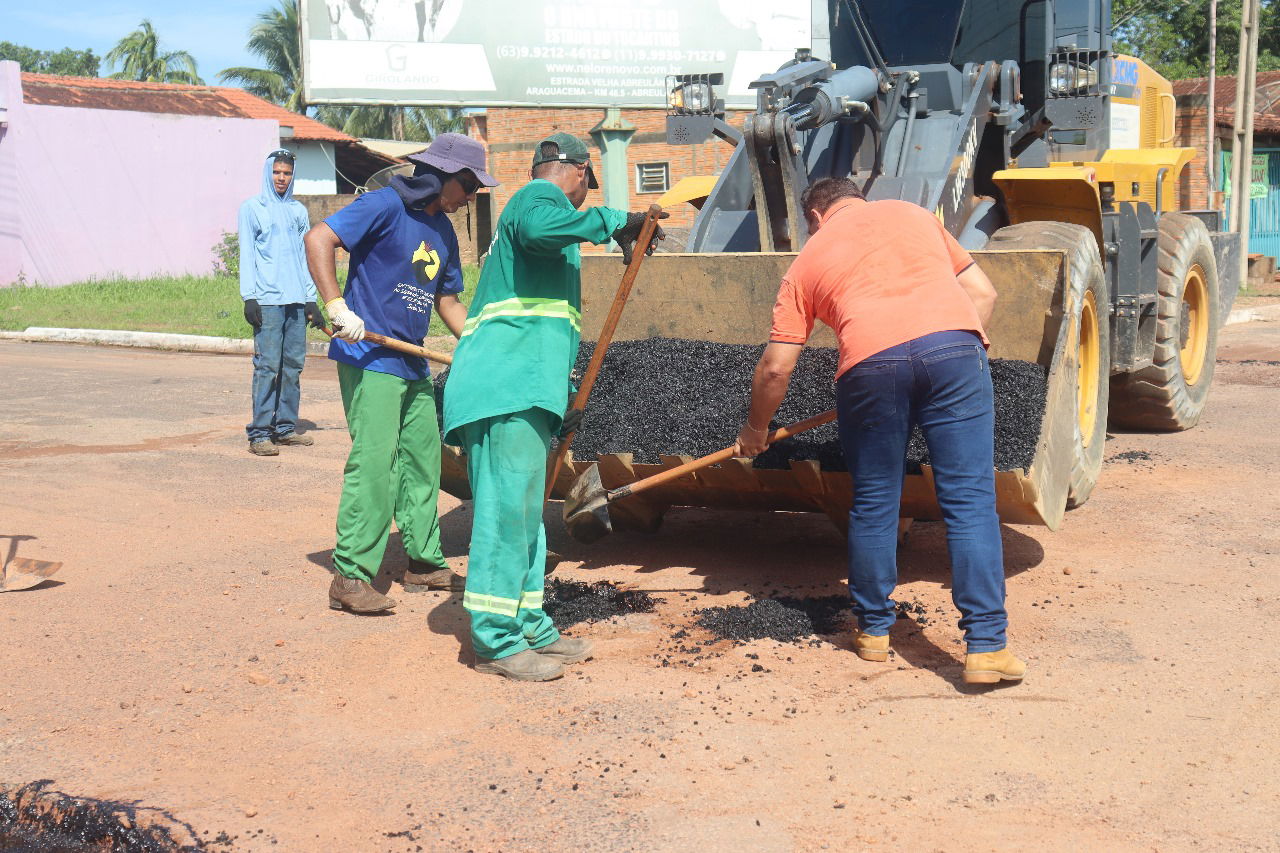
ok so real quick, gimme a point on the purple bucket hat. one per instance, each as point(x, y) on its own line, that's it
point(453, 152)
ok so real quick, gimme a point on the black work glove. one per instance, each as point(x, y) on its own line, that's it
point(314, 318)
point(628, 234)
point(253, 314)
point(572, 422)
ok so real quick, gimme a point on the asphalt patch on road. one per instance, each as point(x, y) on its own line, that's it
point(786, 620)
point(1130, 456)
point(571, 602)
point(35, 819)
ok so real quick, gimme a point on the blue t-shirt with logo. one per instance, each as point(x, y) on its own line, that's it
point(401, 260)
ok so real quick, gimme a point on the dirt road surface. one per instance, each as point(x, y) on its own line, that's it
point(185, 657)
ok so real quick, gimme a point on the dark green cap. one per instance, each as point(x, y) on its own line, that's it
point(563, 147)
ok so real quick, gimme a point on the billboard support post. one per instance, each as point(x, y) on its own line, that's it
point(612, 135)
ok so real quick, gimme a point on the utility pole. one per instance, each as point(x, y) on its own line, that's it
point(1211, 115)
point(1242, 131)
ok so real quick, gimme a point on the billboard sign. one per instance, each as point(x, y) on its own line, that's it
point(543, 53)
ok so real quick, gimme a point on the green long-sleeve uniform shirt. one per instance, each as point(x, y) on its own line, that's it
point(521, 336)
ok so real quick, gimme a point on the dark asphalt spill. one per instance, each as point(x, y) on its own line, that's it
point(34, 819)
point(571, 602)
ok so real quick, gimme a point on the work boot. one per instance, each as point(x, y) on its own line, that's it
point(567, 650)
point(871, 647)
point(292, 439)
point(263, 447)
point(424, 576)
point(357, 596)
point(527, 665)
point(990, 667)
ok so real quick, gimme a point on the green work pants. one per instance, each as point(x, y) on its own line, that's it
point(507, 465)
point(393, 470)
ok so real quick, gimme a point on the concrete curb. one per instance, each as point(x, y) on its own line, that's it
point(146, 340)
point(1263, 313)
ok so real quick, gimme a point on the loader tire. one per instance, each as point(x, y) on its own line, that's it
point(1088, 307)
point(1171, 394)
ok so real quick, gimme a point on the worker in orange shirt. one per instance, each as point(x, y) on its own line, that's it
point(908, 306)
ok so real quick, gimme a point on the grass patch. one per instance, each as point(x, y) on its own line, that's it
point(189, 305)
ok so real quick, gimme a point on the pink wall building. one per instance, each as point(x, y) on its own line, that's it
point(100, 193)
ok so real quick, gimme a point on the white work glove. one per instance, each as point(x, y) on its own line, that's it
point(346, 323)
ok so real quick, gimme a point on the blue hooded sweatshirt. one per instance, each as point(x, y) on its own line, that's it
point(273, 263)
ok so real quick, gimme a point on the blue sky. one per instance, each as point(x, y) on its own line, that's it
point(214, 33)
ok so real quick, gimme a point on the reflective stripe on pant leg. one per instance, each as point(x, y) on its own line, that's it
point(372, 402)
point(418, 475)
point(506, 463)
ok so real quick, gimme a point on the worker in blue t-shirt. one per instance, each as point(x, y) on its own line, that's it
point(404, 262)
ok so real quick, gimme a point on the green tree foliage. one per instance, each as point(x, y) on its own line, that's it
point(415, 124)
point(274, 39)
point(67, 62)
point(1172, 36)
point(140, 58)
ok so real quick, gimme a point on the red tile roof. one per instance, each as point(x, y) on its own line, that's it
point(103, 93)
point(1266, 118)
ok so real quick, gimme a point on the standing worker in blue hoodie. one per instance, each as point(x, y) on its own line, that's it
point(279, 300)
point(404, 262)
point(507, 395)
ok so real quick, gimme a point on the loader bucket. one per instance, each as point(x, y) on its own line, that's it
point(728, 298)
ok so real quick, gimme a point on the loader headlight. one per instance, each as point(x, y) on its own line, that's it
point(1066, 78)
point(692, 97)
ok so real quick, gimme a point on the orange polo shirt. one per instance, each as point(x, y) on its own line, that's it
point(879, 273)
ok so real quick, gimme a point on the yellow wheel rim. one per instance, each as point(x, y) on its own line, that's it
point(1195, 325)
point(1088, 357)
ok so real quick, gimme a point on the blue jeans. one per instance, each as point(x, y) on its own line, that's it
point(279, 349)
point(942, 382)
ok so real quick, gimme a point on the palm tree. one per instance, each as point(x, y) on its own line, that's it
point(139, 57)
point(274, 38)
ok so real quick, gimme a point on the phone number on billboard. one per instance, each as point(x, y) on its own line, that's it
point(603, 54)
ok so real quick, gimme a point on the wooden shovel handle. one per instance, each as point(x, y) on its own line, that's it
point(719, 456)
point(402, 346)
point(606, 336)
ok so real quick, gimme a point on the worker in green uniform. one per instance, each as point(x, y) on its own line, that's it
point(507, 395)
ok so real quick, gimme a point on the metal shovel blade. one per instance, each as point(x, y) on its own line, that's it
point(586, 508)
point(21, 573)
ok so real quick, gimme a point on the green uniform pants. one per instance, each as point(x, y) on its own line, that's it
point(507, 466)
point(393, 469)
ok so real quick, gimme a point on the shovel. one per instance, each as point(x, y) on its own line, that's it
point(21, 573)
point(606, 337)
point(401, 346)
point(586, 507)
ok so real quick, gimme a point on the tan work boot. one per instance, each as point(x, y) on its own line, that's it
point(871, 647)
point(263, 447)
point(527, 665)
point(357, 596)
point(294, 440)
point(567, 650)
point(990, 667)
point(424, 576)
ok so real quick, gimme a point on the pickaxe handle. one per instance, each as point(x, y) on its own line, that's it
point(401, 346)
point(719, 456)
point(606, 336)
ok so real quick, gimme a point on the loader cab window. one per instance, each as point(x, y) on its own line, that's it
point(907, 32)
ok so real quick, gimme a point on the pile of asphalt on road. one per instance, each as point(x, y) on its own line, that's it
point(34, 818)
point(783, 619)
point(571, 602)
point(674, 396)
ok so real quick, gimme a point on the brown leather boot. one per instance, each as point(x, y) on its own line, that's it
point(527, 665)
point(424, 576)
point(990, 667)
point(357, 596)
point(567, 650)
point(293, 439)
point(869, 647)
